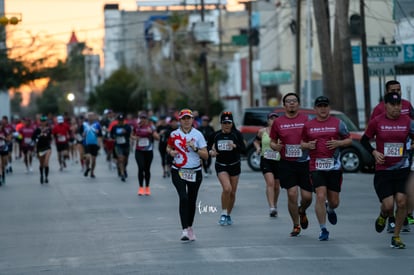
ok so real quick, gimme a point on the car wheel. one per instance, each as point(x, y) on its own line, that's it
point(253, 159)
point(350, 160)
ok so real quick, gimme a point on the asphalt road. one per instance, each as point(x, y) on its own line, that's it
point(78, 225)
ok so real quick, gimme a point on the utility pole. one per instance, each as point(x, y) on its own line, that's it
point(297, 55)
point(251, 82)
point(205, 68)
point(367, 93)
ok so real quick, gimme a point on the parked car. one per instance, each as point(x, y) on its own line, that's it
point(353, 158)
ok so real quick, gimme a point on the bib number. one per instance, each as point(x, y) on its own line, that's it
point(324, 164)
point(272, 155)
point(393, 149)
point(120, 140)
point(225, 145)
point(187, 174)
point(27, 140)
point(293, 151)
point(143, 142)
point(61, 138)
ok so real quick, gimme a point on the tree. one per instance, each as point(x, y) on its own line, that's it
point(337, 69)
point(120, 92)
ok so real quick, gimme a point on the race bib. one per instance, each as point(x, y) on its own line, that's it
point(120, 140)
point(393, 149)
point(270, 154)
point(143, 142)
point(293, 151)
point(79, 137)
point(187, 174)
point(27, 140)
point(224, 145)
point(61, 138)
point(324, 164)
point(2, 143)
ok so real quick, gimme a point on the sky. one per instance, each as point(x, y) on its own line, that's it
point(47, 25)
point(54, 20)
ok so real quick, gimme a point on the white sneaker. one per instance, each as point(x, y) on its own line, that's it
point(191, 235)
point(184, 235)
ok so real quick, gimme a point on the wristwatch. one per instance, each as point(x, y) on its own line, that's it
point(196, 149)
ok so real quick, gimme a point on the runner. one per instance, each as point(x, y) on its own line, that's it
point(27, 144)
point(42, 137)
point(187, 146)
point(269, 164)
point(227, 145)
point(5, 138)
point(144, 134)
point(391, 131)
point(286, 135)
point(323, 136)
point(61, 134)
point(91, 131)
point(121, 134)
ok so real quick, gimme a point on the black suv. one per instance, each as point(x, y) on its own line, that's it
point(353, 158)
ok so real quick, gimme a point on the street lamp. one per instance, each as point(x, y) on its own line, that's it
point(71, 98)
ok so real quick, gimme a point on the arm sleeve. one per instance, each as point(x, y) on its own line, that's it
point(366, 144)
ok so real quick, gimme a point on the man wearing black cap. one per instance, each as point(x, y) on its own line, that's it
point(121, 133)
point(391, 131)
point(323, 136)
point(406, 109)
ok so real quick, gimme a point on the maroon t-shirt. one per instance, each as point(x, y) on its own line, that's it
point(289, 132)
point(391, 136)
point(322, 158)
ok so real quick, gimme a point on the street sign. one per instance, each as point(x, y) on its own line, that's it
point(272, 78)
point(385, 53)
point(386, 69)
point(393, 54)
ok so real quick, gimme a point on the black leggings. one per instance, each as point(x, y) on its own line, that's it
point(187, 193)
point(144, 160)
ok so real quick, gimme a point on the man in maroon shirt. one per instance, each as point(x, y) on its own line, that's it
point(391, 131)
point(323, 136)
point(61, 133)
point(285, 137)
point(406, 109)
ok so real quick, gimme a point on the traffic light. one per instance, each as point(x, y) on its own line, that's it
point(254, 37)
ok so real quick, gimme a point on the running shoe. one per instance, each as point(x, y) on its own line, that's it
point(223, 220)
point(140, 191)
point(410, 219)
point(147, 191)
point(191, 235)
point(273, 213)
point(229, 221)
point(184, 235)
point(380, 223)
point(324, 235)
point(304, 222)
point(391, 225)
point(332, 218)
point(86, 172)
point(406, 226)
point(397, 243)
point(296, 231)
